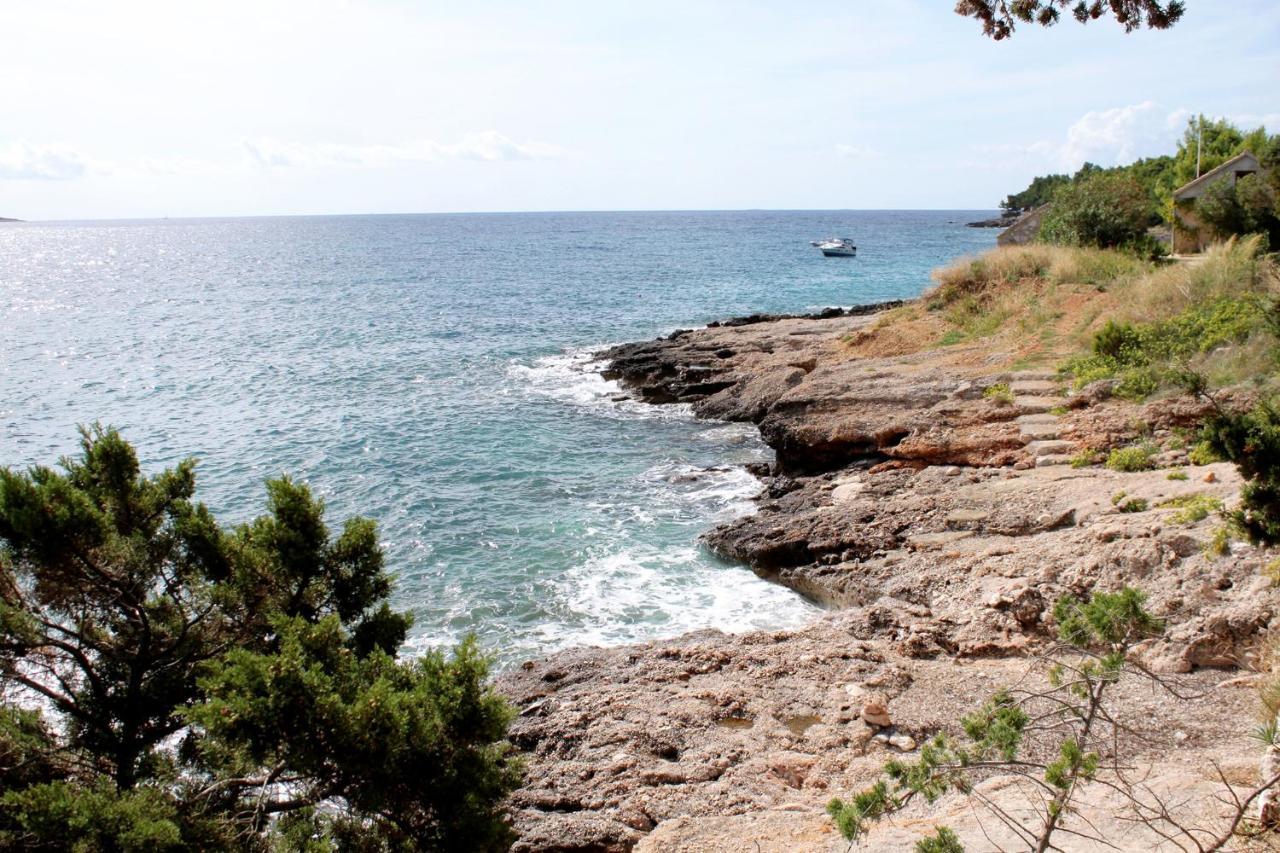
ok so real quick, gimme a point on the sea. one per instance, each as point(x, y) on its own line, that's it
point(436, 373)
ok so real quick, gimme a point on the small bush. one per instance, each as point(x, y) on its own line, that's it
point(1138, 383)
point(1177, 475)
point(999, 393)
point(1138, 457)
point(1133, 505)
point(1103, 211)
point(1252, 441)
point(1203, 453)
point(944, 841)
point(1219, 544)
point(1084, 458)
point(1119, 341)
point(1192, 508)
point(1123, 503)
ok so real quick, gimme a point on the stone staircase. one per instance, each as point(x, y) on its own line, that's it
point(1035, 395)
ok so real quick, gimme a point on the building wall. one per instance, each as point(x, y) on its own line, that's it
point(1024, 230)
point(1190, 235)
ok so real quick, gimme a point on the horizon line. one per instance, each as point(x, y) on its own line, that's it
point(554, 211)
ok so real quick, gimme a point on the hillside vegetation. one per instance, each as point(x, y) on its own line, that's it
point(1097, 314)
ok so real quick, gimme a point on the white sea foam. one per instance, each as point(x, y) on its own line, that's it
point(721, 493)
point(638, 593)
point(574, 377)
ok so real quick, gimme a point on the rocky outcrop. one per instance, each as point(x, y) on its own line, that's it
point(682, 736)
point(1004, 220)
point(926, 503)
point(819, 411)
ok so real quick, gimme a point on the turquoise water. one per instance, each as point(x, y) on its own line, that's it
point(433, 372)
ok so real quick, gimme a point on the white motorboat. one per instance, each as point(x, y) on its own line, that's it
point(836, 247)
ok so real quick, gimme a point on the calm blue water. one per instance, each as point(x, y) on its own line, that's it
point(431, 372)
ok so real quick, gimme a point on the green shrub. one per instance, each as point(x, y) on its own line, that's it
point(999, 393)
point(1123, 503)
point(1219, 544)
point(1146, 356)
point(1087, 369)
point(1203, 453)
point(1086, 457)
point(1137, 457)
point(943, 841)
point(1252, 441)
point(1193, 508)
point(1138, 383)
point(1119, 341)
point(1177, 475)
point(1103, 211)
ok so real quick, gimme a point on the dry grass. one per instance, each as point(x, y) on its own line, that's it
point(1231, 269)
point(1039, 304)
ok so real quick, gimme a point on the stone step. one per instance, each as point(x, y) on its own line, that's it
point(1033, 375)
point(1039, 431)
point(1059, 459)
point(1032, 405)
point(1040, 418)
point(930, 541)
point(966, 519)
point(1051, 447)
point(1035, 386)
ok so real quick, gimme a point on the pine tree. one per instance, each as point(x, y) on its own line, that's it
point(168, 684)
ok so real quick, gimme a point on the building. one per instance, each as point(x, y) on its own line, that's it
point(1189, 234)
point(1024, 229)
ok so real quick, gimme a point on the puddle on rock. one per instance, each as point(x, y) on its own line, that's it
point(735, 722)
point(801, 724)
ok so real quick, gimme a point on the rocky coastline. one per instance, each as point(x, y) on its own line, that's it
point(937, 522)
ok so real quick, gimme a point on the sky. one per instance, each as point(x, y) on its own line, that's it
point(151, 108)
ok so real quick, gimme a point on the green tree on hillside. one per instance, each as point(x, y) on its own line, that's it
point(1216, 141)
point(1040, 191)
point(999, 18)
point(168, 684)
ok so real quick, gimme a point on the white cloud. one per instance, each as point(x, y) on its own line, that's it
point(1107, 137)
point(1118, 135)
point(45, 162)
point(488, 145)
point(1248, 121)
